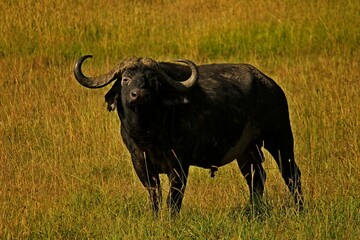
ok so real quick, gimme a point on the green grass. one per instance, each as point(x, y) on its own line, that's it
point(64, 171)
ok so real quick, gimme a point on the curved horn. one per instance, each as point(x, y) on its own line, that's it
point(187, 84)
point(94, 82)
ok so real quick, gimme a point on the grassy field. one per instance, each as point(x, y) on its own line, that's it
point(64, 171)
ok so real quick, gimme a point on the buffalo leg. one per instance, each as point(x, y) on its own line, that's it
point(149, 178)
point(251, 168)
point(283, 152)
point(177, 179)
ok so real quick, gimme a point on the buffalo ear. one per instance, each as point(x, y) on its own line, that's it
point(111, 100)
point(113, 96)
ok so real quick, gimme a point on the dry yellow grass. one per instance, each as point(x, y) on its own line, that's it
point(64, 172)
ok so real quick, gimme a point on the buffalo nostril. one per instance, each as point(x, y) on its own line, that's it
point(134, 95)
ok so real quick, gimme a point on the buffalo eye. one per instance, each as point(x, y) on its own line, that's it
point(125, 81)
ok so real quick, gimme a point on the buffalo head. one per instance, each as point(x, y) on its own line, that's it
point(139, 82)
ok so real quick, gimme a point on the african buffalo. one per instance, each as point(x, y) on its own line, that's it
point(174, 116)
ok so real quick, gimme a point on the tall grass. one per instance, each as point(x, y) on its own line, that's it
point(64, 172)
